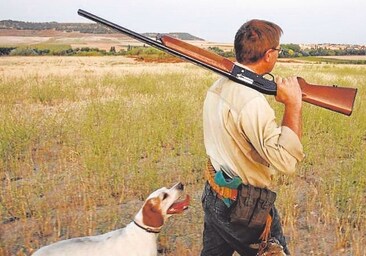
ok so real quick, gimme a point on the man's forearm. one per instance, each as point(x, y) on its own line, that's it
point(292, 118)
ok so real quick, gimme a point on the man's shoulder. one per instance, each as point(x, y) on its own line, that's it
point(237, 95)
point(227, 84)
point(241, 91)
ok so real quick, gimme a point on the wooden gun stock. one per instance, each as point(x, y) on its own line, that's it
point(338, 99)
point(334, 98)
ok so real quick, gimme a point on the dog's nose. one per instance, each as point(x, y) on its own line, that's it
point(180, 186)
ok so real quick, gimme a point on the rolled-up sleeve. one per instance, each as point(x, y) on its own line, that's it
point(279, 146)
point(290, 141)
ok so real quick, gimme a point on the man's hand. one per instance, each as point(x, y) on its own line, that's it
point(289, 93)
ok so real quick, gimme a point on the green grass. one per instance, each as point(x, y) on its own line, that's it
point(334, 60)
point(78, 154)
point(53, 47)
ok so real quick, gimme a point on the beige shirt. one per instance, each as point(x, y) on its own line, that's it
point(241, 135)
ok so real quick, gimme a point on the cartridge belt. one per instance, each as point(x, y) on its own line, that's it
point(221, 191)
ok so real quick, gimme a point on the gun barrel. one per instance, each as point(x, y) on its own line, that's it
point(149, 41)
point(121, 29)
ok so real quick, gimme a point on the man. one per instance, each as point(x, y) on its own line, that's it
point(244, 143)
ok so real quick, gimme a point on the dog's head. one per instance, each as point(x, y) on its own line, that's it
point(160, 205)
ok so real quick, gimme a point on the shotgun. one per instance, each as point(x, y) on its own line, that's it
point(338, 99)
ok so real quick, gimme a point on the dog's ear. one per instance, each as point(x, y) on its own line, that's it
point(151, 213)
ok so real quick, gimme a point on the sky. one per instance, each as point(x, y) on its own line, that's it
point(310, 21)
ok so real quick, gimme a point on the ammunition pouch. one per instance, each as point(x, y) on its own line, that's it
point(252, 206)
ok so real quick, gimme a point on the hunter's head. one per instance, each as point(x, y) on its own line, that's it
point(255, 39)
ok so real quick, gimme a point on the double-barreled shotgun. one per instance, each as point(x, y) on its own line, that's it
point(338, 99)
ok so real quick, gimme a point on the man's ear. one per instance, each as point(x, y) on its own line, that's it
point(267, 56)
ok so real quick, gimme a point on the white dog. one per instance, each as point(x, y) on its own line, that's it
point(139, 238)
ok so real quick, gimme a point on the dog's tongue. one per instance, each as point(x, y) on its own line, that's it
point(180, 206)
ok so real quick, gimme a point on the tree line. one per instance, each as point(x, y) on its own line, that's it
point(288, 51)
point(83, 51)
point(294, 50)
point(34, 51)
point(93, 28)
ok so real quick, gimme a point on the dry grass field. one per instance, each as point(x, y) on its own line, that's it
point(83, 140)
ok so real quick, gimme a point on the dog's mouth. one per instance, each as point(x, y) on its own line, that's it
point(179, 206)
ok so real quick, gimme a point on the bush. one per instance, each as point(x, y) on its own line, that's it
point(23, 52)
point(6, 50)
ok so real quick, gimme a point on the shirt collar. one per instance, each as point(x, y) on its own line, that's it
point(243, 66)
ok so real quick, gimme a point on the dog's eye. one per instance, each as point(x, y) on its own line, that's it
point(165, 195)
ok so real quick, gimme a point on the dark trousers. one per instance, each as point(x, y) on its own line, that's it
point(223, 238)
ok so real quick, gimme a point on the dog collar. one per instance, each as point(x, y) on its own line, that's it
point(148, 229)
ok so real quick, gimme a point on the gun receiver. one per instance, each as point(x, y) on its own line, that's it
point(334, 98)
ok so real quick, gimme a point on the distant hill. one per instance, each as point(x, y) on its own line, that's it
point(89, 28)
